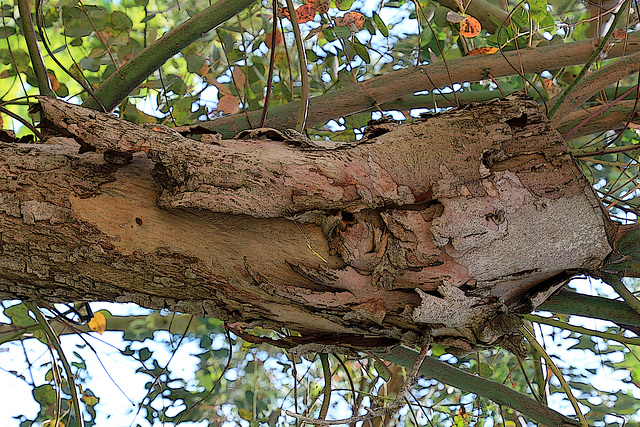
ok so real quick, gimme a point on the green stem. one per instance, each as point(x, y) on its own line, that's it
point(44, 85)
point(587, 65)
point(625, 293)
point(326, 373)
point(574, 402)
point(123, 81)
point(304, 75)
point(434, 368)
point(582, 330)
point(46, 327)
point(568, 302)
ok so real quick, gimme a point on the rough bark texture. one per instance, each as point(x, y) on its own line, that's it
point(444, 226)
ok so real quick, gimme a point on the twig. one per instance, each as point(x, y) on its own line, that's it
point(587, 65)
point(224, 370)
point(574, 402)
point(582, 330)
point(326, 391)
point(44, 85)
point(304, 75)
point(272, 56)
point(387, 410)
point(164, 369)
point(43, 37)
point(46, 327)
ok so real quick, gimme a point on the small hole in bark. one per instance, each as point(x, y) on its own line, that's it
point(518, 122)
point(496, 217)
point(138, 221)
point(347, 217)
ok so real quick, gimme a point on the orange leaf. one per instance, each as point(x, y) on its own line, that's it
point(283, 12)
point(470, 27)
point(229, 104)
point(98, 323)
point(353, 20)
point(485, 50)
point(204, 69)
point(551, 87)
point(322, 6)
point(55, 84)
point(238, 77)
point(619, 35)
point(306, 13)
point(268, 39)
point(222, 89)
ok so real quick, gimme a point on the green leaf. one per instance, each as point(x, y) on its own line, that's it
point(538, 9)
point(144, 354)
point(344, 4)
point(76, 22)
point(383, 372)
point(194, 63)
point(45, 395)
point(7, 31)
point(485, 371)
point(121, 21)
point(361, 50)
point(342, 32)
point(19, 315)
point(380, 24)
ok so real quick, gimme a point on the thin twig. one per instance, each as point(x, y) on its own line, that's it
point(272, 56)
point(304, 75)
point(164, 369)
point(326, 391)
point(587, 65)
point(40, 70)
point(387, 410)
point(565, 387)
point(43, 37)
point(224, 370)
point(46, 327)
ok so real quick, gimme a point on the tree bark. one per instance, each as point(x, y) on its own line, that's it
point(445, 226)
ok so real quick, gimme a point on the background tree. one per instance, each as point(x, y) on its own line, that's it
point(235, 61)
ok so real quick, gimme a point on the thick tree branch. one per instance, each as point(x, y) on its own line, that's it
point(419, 224)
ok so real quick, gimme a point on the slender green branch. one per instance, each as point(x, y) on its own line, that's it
point(434, 368)
point(326, 392)
point(122, 82)
point(574, 402)
point(587, 65)
point(582, 330)
point(44, 85)
point(304, 74)
point(624, 293)
point(46, 327)
point(568, 302)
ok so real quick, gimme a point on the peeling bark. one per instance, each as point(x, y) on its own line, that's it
point(446, 226)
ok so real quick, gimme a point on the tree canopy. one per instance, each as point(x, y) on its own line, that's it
point(319, 75)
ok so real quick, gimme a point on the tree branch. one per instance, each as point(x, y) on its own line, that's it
point(124, 80)
point(364, 96)
point(434, 368)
